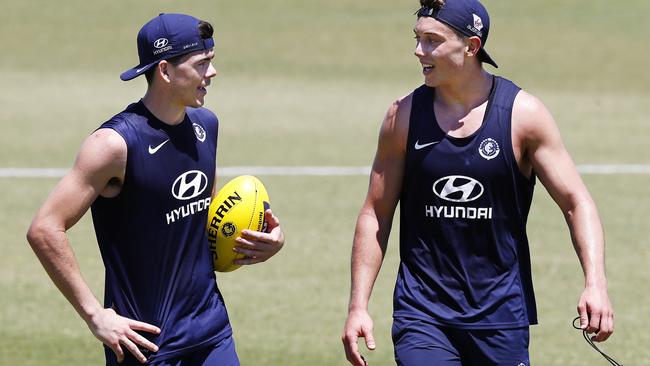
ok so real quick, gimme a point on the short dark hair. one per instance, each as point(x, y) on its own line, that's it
point(205, 31)
point(433, 4)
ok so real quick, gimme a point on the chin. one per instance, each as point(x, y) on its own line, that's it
point(196, 103)
point(430, 83)
point(433, 81)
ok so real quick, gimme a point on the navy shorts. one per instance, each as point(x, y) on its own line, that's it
point(418, 343)
point(220, 354)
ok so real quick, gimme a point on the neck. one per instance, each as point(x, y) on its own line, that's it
point(465, 92)
point(161, 105)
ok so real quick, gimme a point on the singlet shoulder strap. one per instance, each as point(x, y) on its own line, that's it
point(505, 93)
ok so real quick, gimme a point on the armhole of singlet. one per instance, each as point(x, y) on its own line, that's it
point(416, 101)
point(113, 125)
point(510, 150)
point(415, 97)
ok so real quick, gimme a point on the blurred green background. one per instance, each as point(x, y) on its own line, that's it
point(305, 83)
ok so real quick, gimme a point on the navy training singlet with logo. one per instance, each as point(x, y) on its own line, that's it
point(152, 235)
point(465, 261)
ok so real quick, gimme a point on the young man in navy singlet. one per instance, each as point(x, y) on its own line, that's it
point(148, 176)
point(461, 155)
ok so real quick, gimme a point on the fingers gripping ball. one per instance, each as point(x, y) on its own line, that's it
point(239, 205)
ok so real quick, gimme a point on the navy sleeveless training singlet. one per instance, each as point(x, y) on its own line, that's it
point(465, 261)
point(152, 236)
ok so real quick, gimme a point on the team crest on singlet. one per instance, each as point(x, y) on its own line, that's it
point(489, 149)
point(199, 132)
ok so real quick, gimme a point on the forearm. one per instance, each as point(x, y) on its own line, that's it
point(52, 249)
point(588, 240)
point(367, 255)
point(542, 145)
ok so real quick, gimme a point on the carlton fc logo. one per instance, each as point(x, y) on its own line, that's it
point(189, 185)
point(199, 132)
point(489, 149)
point(458, 188)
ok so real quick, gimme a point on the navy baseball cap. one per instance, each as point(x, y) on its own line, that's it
point(164, 37)
point(468, 17)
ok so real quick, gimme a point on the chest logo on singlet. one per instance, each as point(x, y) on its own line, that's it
point(489, 149)
point(189, 185)
point(199, 132)
point(458, 188)
point(422, 146)
point(152, 150)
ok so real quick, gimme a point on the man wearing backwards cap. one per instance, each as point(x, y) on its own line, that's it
point(461, 155)
point(148, 175)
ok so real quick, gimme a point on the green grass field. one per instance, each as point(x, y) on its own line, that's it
point(307, 83)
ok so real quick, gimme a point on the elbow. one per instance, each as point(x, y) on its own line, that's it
point(569, 213)
point(37, 234)
point(578, 206)
point(34, 233)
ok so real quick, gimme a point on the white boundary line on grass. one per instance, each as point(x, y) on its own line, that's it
point(314, 170)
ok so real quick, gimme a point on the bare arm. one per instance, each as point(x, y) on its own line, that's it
point(374, 225)
point(543, 151)
point(98, 169)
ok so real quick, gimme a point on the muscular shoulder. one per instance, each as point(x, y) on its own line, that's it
point(531, 120)
point(396, 122)
point(400, 110)
point(103, 155)
point(107, 140)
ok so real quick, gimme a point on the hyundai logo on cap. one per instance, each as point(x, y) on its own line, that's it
point(160, 43)
point(468, 17)
point(164, 37)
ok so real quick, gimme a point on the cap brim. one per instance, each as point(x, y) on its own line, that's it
point(484, 57)
point(136, 71)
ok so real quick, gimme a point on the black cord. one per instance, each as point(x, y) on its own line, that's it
point(591, 343)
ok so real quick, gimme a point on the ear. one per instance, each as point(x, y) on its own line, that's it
point(163, 70)
point(473, 46)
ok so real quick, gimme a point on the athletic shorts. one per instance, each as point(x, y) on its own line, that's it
point(220, 354)
point(418, 343)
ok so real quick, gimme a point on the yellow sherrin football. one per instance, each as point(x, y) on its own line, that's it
point(239, 205)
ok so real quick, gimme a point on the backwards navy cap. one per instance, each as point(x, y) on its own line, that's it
point(164, 37)
point(468, 17)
